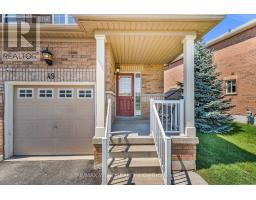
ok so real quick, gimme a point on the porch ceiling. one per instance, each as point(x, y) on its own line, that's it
point(146, 39)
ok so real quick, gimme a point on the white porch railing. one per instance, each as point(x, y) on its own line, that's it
point(171, 114)
point(166, 116)
point(105, 145)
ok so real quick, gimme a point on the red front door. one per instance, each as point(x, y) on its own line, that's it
point(125, 93)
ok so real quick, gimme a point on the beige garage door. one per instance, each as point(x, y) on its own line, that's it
point(53, 120)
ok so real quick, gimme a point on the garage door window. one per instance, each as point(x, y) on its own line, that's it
point(45, 93)
point(84, 94)
point(25, 93)
point(66, 93)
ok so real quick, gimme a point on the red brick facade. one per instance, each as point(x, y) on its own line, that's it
point(235, 58)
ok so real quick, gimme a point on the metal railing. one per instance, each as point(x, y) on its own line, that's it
point(171, 114)
point(47, 74)
point(105, 145)
point(168, 114)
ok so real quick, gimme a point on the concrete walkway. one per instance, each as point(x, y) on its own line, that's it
point(179, 178)
point(187, 178)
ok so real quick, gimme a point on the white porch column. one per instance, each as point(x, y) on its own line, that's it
point(188, 61)
point(100, 85)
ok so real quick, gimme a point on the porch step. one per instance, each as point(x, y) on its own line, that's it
point(134, 165)
point(132, 151)
point(130, 139)
point(135, 179)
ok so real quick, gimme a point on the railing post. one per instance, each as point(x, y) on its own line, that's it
point(182, 116)
point(104, 169)
point(151, 115)
point(168, 158)
point(110, 115)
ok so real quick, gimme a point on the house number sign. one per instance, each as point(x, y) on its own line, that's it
point(51, 76)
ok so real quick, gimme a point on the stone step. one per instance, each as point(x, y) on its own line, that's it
point(130, 139)
point(134, 151)
point(134, 165)
point(135, 179)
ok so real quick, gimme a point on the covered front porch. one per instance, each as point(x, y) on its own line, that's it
point(131, 51)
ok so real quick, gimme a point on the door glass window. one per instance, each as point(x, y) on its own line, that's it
point(138, 94)
point(125, 86)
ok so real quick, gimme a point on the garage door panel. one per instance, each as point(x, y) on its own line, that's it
point(84, 128)
point(85, 112)
point(36, 146)
point(53, 126)
point(23, 110)
point(81, 112)
point(34, 128)
point(74, 146)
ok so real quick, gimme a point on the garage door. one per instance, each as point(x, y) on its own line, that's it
point(53, 120)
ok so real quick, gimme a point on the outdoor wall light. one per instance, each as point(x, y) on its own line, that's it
point(47, 56)
point(117, 70)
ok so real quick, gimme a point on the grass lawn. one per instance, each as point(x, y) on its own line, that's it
point(228, 158)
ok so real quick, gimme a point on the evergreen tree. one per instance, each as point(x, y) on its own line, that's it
point(210, 105)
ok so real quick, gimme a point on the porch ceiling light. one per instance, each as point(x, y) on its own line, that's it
point(47, 56)
point(117, 69)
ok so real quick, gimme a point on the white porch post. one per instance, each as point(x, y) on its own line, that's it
point(188, 61)
point(100, 85)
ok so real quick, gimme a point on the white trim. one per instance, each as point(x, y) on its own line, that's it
point(38, 93)
point(100, 85)
point(18, 93)
point(72, 93)
point(85, 89)
point(147, 17)
point(8, 108)
point(47, 83)
point(110, 92)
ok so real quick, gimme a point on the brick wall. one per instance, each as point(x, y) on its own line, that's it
point(173, 74)
point(234, 57)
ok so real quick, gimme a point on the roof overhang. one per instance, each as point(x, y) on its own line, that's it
point(146, 39)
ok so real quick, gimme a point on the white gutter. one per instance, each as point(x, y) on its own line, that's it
point(233, 32)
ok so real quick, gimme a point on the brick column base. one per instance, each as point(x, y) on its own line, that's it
point(97, 151)
point(184, 153)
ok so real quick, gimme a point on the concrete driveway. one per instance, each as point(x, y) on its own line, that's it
point(49, 171)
